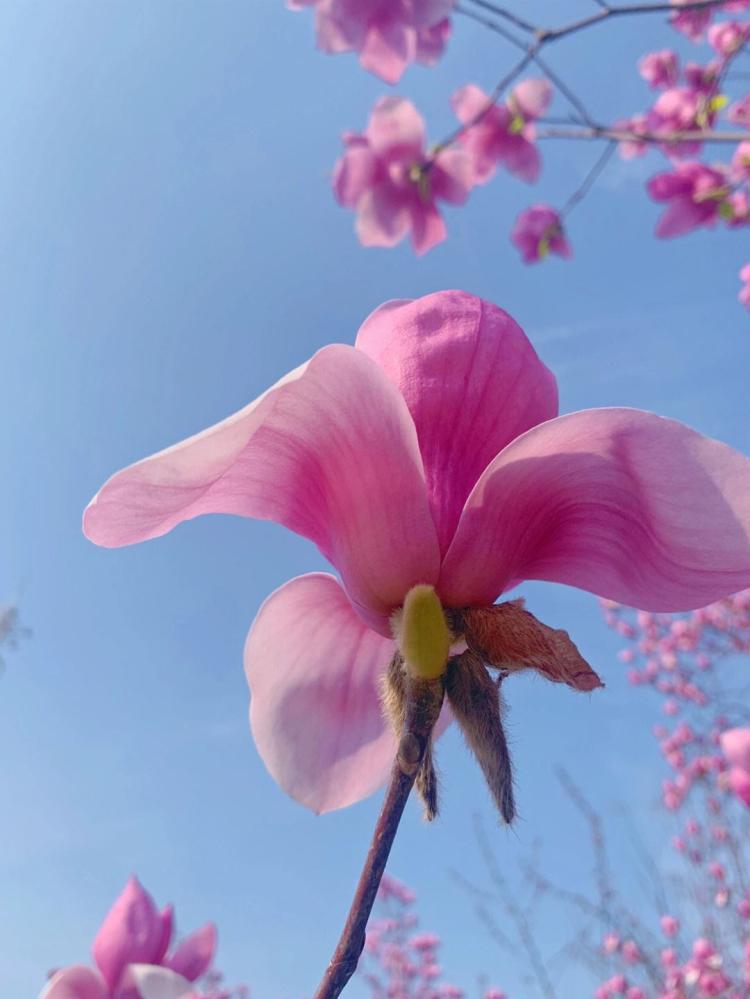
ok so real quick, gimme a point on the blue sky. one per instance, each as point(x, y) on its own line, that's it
point(170, 247)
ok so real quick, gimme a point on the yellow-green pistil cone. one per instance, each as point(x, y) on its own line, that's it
point(422, 634)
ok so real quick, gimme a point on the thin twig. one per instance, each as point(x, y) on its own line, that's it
point(589, 181)
point(629, 135)
point(509, 15)
point(423, 701)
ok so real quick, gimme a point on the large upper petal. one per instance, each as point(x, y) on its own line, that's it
point(77, 982)
point(472, 382)
point(314, 670)
point(330, 451)
point(622, 503)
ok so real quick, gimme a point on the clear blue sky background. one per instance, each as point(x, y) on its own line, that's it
point(169, 247)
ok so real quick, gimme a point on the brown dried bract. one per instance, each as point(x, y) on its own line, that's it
point(510, 638)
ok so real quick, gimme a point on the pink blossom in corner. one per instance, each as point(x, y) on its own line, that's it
point(502, 133)
point(728, 37)
point(387, 34)
point(694, 193)
point(735, 742)
point(391, 182)
point(430, 452)
point(740, 165)
point(744, 295)
point(538, 231)
point(691, 22)
point(130, 951)
point(739, 112)
point(660, 69)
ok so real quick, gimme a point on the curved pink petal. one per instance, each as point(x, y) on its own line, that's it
point(396, 130)
point(314, 670)
point(521, 157)
point(330, 451)
point(452, 176)
point(468, 102)
point(146, 981)
point(427, 226)
point(194, 955)
point(354, 173)
point(532, 97)
point(75, 983)
point(383, 217)
point(388, 48)
point(166, 917)
point(622, 503)
point(682, 216)
point(132, 932)
point(472, 382)
point(735, 744)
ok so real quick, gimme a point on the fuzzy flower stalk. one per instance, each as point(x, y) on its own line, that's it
point(428, 463)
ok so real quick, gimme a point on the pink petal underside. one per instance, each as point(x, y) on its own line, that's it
point(330, 452)
point(472, 382)
point(681, 216)
point(131, 932)
point(521, 157)
point(388, 48)
point(193, 956)
point(625, 504)
point(383, 217)
point(509, 637)
point(314, 669)
point(166, 918)
point(532, 97)
point(146, 981)
point(452, 176)
point(468, 102)
point(735, 743)
point(75, 983)
point(354, 173)
point(427, 226)
point(396, 130)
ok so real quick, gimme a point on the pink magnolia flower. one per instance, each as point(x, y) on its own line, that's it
point(659, 69)
point(431, 453)
point(695, 194)
point(744, 295)
point(386, 176)
point(691, 22)
point(503, 133)
point(735, 743)
point(131, 955)
point(728, 37)
point(538, 231)
point(388, 34)
point(670, 926)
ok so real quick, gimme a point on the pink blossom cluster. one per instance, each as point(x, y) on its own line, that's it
point(135, 958)
point(399, 961)
point(395, 184)
point(705, 741)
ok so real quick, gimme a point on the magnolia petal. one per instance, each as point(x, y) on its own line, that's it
point(330, 452)
point(388, 48)
point(628, 505)
point(77, 982)
point(427, 227)
point(132, 932)
point(383, 216)
point(510, 638)
point(468, 102)
point(314, 671)
point(532, 97)
point(396, 130)
point(151, 982)
point(735, 744)
point(194, 955)
point(166, 917)
point(472, 382)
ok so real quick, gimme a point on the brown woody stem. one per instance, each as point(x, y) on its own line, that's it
point(424, 699)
